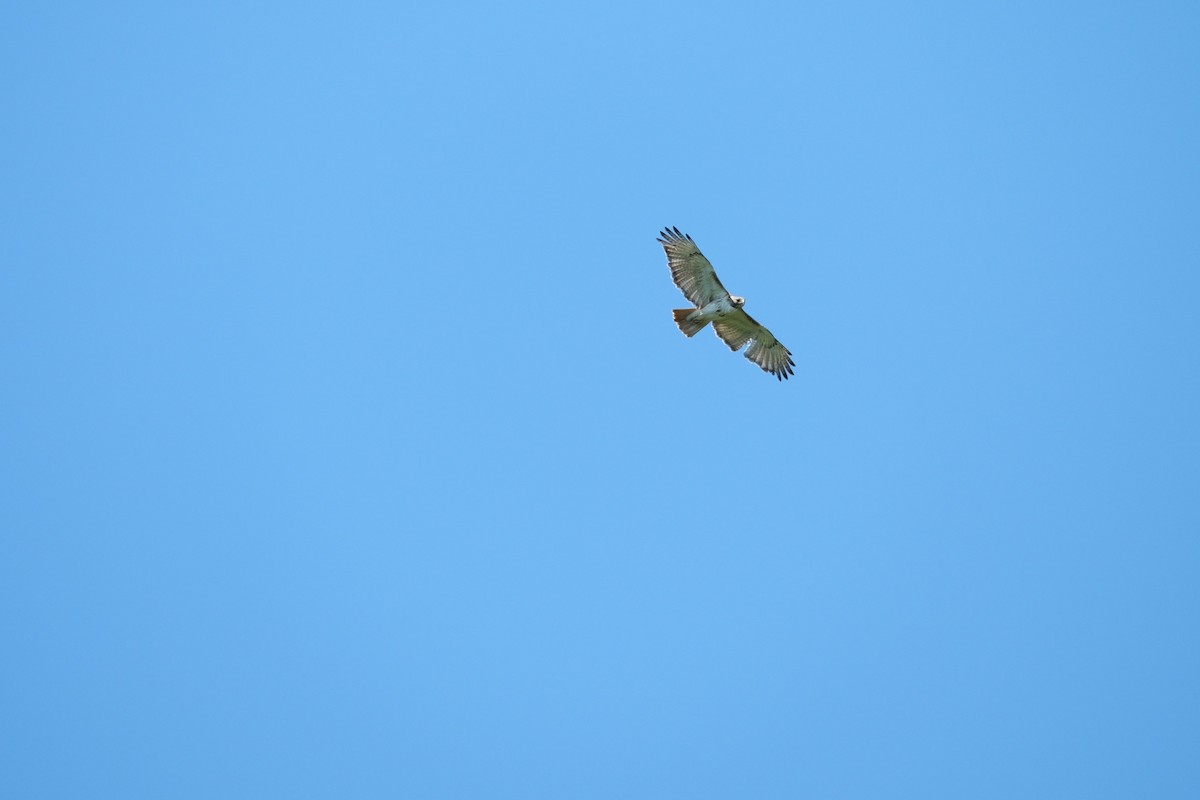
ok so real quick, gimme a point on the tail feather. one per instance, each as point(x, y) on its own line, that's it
point(689, 327)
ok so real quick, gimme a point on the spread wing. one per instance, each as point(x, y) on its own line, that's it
point(691, 271)
point(765, 350)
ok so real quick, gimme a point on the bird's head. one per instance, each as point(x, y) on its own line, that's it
point(737, 301)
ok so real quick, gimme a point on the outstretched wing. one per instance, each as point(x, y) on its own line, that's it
point(765, 350)
point(690, 270)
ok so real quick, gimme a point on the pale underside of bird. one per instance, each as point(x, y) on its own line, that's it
point(695, 277)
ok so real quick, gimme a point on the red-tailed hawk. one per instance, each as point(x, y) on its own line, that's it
point(694, 275)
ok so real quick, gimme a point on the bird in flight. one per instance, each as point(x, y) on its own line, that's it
point(695, 277)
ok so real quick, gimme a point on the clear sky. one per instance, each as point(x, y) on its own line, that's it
point(348, 448)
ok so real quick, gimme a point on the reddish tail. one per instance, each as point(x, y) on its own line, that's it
point(689, 327)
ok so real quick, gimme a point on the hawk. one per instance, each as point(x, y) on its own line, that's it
point(694, 275)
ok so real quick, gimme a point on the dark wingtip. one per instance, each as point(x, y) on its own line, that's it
point(673, 232)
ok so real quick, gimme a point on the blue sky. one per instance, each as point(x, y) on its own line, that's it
point(349, 449)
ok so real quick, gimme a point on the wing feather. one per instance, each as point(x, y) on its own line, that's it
point(765, 350)
point(691, 271)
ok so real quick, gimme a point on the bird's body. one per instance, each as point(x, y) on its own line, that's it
point(717, 309)
point(696, 278)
